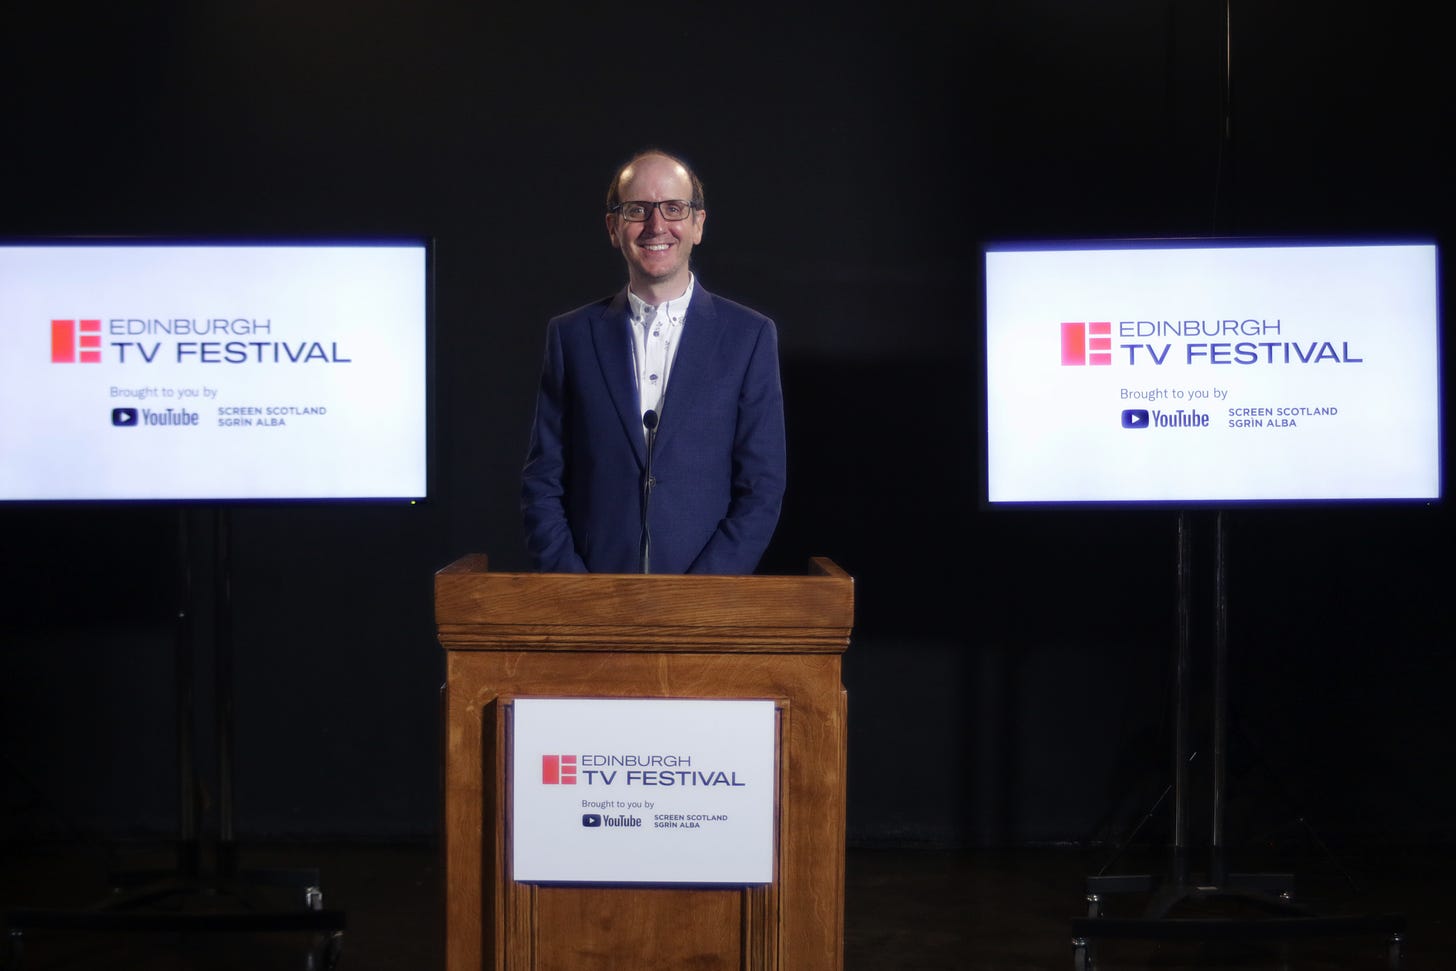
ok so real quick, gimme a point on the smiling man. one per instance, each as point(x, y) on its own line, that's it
point(658, 442)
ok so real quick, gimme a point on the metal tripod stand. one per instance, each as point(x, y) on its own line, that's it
point(1272, 893)
point(192, 897)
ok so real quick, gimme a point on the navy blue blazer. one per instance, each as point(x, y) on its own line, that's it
point(718, 461)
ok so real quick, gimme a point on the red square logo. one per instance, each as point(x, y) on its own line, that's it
point(70, 343)
point(1087, 343)
point(558, 770)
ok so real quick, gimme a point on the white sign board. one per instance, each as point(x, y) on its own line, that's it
point(212, 372)
point(1169, 372)
point(643, 791)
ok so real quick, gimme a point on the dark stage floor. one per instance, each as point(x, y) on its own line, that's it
point(906, 908)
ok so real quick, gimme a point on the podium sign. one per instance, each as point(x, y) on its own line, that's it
point(643, 791)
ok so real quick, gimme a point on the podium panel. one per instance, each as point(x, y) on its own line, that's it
point(510, 635)
point(593, 929)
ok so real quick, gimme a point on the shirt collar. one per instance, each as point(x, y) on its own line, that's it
point(675, 309)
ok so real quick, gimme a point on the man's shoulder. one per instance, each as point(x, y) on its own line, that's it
point(587, 312)
point(730, 311)
point(725, 310)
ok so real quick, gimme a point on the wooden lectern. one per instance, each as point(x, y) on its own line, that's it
point(518, 635)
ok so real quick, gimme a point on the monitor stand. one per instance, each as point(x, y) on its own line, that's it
point(1271, 895)
point(206, 890)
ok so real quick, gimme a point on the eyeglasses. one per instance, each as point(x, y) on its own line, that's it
point(673, 210)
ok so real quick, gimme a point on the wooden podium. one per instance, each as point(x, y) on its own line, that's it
point(520, 635)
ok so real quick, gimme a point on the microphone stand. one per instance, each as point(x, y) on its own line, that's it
point(649, 422)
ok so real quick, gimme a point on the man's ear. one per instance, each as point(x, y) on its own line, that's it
point(612, 230)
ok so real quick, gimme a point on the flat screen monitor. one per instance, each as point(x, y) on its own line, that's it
point(1211, 372)
point(183, 371)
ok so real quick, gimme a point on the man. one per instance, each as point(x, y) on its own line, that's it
point(699, 492)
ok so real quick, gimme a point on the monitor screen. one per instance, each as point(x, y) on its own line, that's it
point(159, 370)
point(1211, 371)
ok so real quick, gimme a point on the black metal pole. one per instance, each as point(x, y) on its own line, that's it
point(1218, 867)
point(227, 858)
point(184, 668)
point(1181, 679)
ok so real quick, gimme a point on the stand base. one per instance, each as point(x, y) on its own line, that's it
point(1273, 891)
point(1269, 891)
point(187, 902)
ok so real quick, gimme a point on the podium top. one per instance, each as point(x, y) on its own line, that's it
point(476, 609)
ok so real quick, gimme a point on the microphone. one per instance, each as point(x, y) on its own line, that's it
point(649, 422)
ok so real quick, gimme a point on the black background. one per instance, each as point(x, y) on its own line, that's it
point(1008, 676)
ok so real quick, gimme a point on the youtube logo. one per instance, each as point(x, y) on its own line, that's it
point(1135, 418)
point(124, 417)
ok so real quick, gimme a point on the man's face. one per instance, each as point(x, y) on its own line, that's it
point(657, 250)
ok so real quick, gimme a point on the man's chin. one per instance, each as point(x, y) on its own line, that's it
point(658, 265)
point(654, 275)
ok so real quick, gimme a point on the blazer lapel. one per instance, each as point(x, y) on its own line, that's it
point(691, 377)
point(612, 336)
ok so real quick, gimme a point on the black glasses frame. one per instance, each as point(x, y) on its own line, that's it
point(650, 207)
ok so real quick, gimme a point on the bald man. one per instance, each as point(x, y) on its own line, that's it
point(658, 441)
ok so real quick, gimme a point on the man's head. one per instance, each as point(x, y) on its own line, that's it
point(655, 246)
